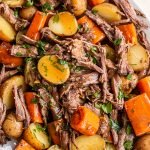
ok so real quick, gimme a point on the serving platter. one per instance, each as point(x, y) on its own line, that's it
point(141, 5)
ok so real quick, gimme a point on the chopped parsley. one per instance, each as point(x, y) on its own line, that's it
point(56, 18)
point(41, 47)
point(26, 46)
point(129, 76)
point(117, 42)
point(94, 60)
point(120, 94)
point(16, 13)
point(93, 48)
point(18, 54)
point(114, 124)
point(56, 48)
point(107, 108)
point(29, 3)
point(62, 62)
point(27, 59)
point(40, 128)
point(46, 7)
point(94, 11)
point(128, 129)
point(34, 101)
point(79, 26)
point(96, 95)
point(128, 145)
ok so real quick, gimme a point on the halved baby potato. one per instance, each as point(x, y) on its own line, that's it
point(14, 3)
point(94, 142)
point(63, 24)
point(108, 11)
point(7, 32)
point(78, 7)
point(36, 136)
point(138, 58)
point(55, 147)
point(53, 70)
point(6, 90)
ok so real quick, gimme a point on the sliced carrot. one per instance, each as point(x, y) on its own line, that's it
point(37, 24)
point(138, 111)
point(23, 145)
point(144, 85)
point(33, 107)
point(85, 121)
point(53, 131)
point(129, 31)
point(6, 58)
point(95, 2)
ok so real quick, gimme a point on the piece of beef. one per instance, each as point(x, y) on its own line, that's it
point(22, 113)
point(106, 28)
point(122, 137)
point(64, 139)
point(4, 75)
point(123, 21)
point(21, 24)
point(7, 13)
point(28, 40)
point(130, 12)
point(52, 3)
point(2, 137)
point(121, 50)
point(21, 51)
point(2, 112)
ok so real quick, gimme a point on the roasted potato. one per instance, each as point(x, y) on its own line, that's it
point(129, 83)
point(7, 87)
point(63, 24)
point(55, 147)
point(89, 142)
point(53, 70)
point(7, 32)
point(78, 7)
point(110, 52)
point(138, 58)
point(110, 146)
point(28, 13)
point(12, 127)
point(14, 3)
point(36, 136)
point(143, 143)
point(107, 11)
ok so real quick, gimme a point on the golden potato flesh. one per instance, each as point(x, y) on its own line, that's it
point(138, 58)
point(110, 146)
point(78, 7)
point(94, 142)
point(36, 136)
point(63, 24)
point(107, 11)
point(14, 3)
point(6, 90)
point(7, 32)
point(12, 127)
point(55, 147)
point(53, 69)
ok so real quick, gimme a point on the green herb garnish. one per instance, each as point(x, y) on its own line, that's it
point(128, 145)
point(18, 54)
point(114, 124)
point(41, 47)
point(128, 129)
point(29, 3)
point(94, 11)
point(107, 108)
point(26, 46)
point(46, 7)
point(129, 76)
point(117, 42)
point(62, 62)
point(34, 101)
point(16, 13)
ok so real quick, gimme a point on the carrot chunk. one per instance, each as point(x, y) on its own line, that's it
point(138, 111)
point(85, 121)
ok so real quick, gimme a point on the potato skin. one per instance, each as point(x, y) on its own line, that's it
point(78, 7)
point(12, 127)
point(28, 13)
point(143, 143)
point(6, 90)
point(37, 139)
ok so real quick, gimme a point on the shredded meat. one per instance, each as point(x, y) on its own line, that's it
point(22, 113)
point(2, 137)
point(122, 137)
point(20, 51)
point(130, 12)
point(4, 75)
point(53, 3)
point(2, 112)
point(28, 40)
point(21, 24)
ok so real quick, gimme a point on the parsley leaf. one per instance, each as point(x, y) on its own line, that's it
point(29, 3)
point(18, 54)
point(129, 76)
point(34, 101)
point(56, 18)
point(128, 145)
point(16, 13)
point(46, 7)
point(114, 124)
point(128, 129)
point(117, 42)
point(62, 62)
point(120, 94)
point(107, 108)
point(41, 47)
point(26, 46)
point(40, 128)
point(94, 11)
point(94, 48)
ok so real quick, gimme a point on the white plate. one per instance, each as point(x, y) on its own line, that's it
point(142, 5)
